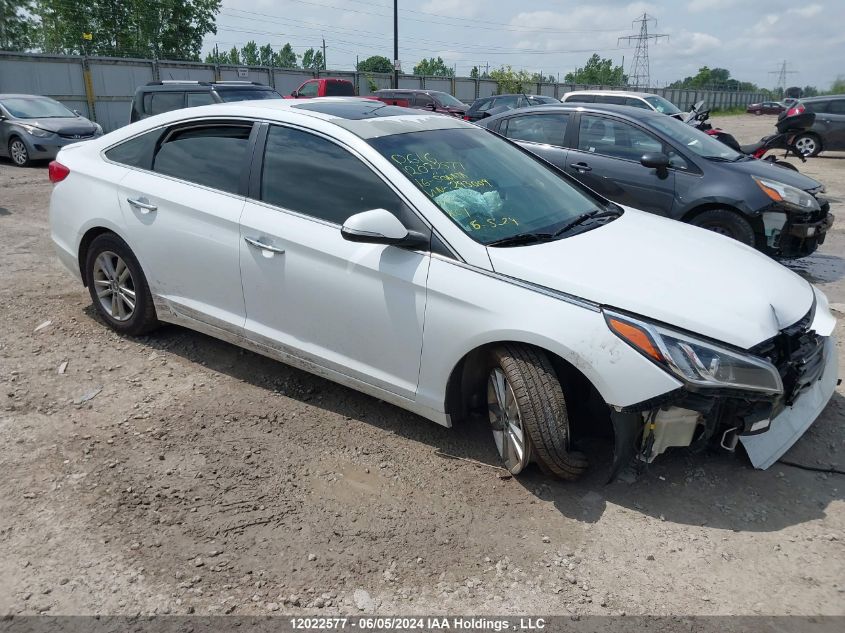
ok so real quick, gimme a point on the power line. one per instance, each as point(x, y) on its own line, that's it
point(640, 75)
point(782, 72)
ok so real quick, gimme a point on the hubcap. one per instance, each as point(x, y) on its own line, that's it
point(114, 285)
point(508, 432)
point(806, 145)
point(18, 152)
point(721, 230)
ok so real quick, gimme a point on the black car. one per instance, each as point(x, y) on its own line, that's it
point(489, 106)
point(659, 164)
point(163, 96)
point(828, 131)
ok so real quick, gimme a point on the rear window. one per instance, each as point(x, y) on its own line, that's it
point(339, 89)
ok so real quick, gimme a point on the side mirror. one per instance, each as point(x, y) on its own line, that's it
point(294, 94)
point(77, 113)
point(380, 226)
point(655, 160)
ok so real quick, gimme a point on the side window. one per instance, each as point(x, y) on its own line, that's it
point(506, 102)
point(538, 128)
point(422, 100)
point(199, 99)
point(820, 106)
point(836, 107)
point(614, 138)
point(148, 103)
point(309, 174)
point(636, 103)
point(485, 105)
point(211, 155)
point(615, 100)
point(582, 99)
point(166, 101)
point(309, 89)
point(137, 151)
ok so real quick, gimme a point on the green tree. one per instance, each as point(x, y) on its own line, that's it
point(249, 54)
point(809, 91)
point(474, 72)
point(838, 86)
point(18, 30)
point(234, 56)
point(375, 64)
point(510, 80)
point(433, 68)
point(597, 71)
point(286, 58)
point(162, 29)
point(313, 60)
point(266, 55)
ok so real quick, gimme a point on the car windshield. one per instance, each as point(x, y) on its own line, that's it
point(247, 94)
point(448, 100)
point(694, 140)
point(36, 108)
point(490, 188)
point(661, 105)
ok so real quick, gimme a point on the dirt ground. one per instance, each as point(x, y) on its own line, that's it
point(178, 474)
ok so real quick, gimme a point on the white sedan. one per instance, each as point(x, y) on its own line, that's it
point(441, 268)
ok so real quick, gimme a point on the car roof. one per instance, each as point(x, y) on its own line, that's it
point(12, 95)
point(629, 111)
point(422, 90)
point(366, 118)
point(182, 85)
point(822, 98)
point(619, 93)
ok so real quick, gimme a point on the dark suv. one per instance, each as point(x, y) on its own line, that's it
point(434, 100)
point(163, 96)
point(488, 106)
point(828, 131)
point(653, 162)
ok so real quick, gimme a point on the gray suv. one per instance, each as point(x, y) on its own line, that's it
point(34, 127)
point(828, 131)
point(163, 96)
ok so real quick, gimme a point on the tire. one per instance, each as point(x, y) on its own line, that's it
point(808, 144)
point(18, 152)
point(113, 275)
point(758, 112)
point(540, 412)
point(785, 165)
point(726, 222)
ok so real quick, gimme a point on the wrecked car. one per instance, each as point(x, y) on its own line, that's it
point(441, 268)
point(656, 163)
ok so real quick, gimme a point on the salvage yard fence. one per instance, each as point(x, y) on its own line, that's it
point(101, 88)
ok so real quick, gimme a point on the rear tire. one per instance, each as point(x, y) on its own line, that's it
point(535, 410)
point(808, 144)
point(118, 287)
point(18, 152)
point(726, 222)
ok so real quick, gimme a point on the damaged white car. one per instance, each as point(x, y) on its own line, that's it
point(441, 268)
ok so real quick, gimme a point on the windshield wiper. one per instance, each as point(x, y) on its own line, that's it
point(521, 238)
point(584, 217)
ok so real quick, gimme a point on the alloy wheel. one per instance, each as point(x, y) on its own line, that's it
point(508, 432)
point(806, 145)
point(114, 285)
point(18, 152)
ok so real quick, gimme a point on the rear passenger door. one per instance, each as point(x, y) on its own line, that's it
point(540, 133)
point(605, 156)
point(181, 206)
point(831, 123)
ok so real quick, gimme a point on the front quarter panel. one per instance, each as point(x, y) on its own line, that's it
point(468, 308)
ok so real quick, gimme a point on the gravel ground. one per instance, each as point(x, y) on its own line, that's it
point(178, 474)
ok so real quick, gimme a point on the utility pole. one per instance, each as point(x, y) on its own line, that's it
point(640, 75)
point(325, 65)
point(395, 44)
point(782, 72)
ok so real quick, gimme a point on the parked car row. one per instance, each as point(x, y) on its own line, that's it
point(325, 233)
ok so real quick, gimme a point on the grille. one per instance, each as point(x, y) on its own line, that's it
point(798, 353)
point(77, 136)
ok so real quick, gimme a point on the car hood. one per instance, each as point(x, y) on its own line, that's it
point(765, 169)
point(668, 271)
point(64, 125)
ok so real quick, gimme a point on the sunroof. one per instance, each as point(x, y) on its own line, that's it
point(354, 109)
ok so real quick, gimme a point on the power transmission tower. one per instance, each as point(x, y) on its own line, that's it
point(640, 75)
point(782, 72)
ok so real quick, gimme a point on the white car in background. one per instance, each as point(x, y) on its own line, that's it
point(441, 268)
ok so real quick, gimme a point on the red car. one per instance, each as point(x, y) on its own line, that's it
point(434, 100)
point(324, 87)
point(765, 107)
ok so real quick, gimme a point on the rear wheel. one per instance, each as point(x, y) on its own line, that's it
point(808, 144)
point(726, 222)
point(528, 413)
point(118, 287)
point(18, 152)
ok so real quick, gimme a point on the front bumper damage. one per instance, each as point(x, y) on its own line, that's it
point(790, 235)
point(766, 425)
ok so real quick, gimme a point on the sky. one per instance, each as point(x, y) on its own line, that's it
point(751, 38)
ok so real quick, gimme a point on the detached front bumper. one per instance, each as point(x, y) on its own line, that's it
point(802, 238)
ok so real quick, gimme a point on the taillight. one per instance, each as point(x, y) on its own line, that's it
point(57, 172)
point(466, 118)
point(796, 110)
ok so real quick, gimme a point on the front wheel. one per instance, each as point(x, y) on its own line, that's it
point(528, 413)
point(726, 222)
point(18, 152)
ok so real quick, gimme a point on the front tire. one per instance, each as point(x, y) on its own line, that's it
point(808, 144)
point(726, 222)
point(118, 287)
point(528, 413)
point(18, 152)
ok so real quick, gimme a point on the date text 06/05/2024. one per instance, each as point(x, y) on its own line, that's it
point(387, 623)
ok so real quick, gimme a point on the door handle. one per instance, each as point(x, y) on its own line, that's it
point(263, 246)
point(581, 166)
point(142, 203)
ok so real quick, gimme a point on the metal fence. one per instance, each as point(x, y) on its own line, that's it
point(102, 88)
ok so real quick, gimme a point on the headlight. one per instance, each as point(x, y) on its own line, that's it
point(694, 361)
point(788, 195)
point(36, 131)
